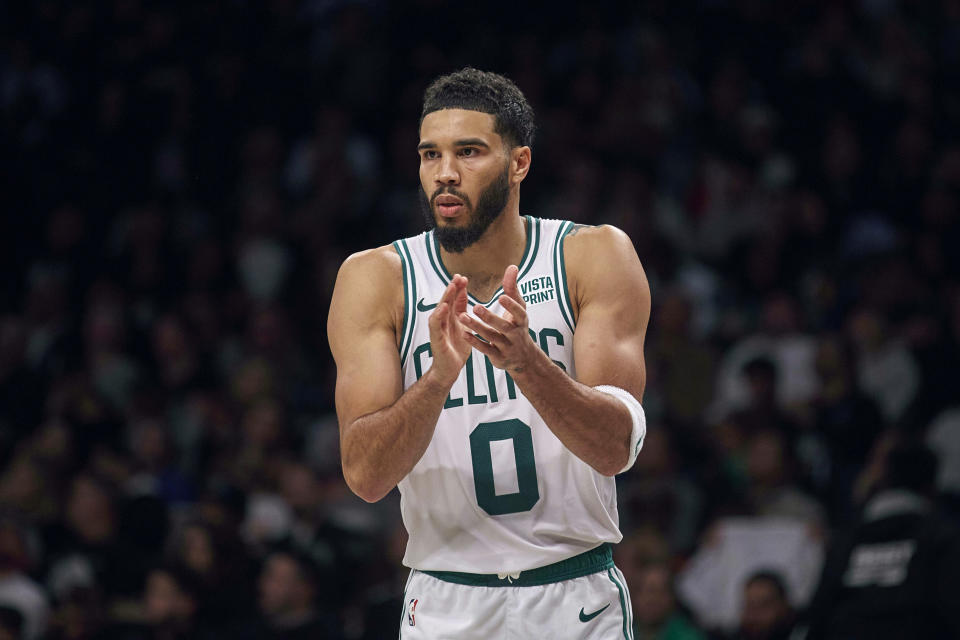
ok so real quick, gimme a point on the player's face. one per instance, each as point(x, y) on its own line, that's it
point(464, 172)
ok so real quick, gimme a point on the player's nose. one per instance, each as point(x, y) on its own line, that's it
point(447, 171)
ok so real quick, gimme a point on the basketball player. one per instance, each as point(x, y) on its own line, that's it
point(492, 368)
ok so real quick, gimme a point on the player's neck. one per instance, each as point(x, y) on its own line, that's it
point(484, 262)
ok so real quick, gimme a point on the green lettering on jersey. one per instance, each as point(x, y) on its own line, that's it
point(491, 380)
point(419, 351)
point(556, 335)
point(511, 388)
point(472, 397)
point(546, 339)
point(450, 403)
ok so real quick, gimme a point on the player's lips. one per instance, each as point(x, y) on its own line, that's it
point(448, 205)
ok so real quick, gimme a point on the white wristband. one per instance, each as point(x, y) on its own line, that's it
point(636, 415)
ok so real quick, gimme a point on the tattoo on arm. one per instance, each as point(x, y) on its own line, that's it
point(576, 229)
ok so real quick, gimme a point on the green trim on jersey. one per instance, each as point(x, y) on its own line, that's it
point(593, 561)
point(403, 607)
point(560, 276)
point(627, 630)
point(409, 298)
point(526, 262)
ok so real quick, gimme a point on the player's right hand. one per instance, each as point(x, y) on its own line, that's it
point(447, 334)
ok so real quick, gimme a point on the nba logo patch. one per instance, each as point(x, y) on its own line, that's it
point(411, 610)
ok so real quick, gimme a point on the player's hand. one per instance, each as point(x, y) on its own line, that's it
point(505, 339)
point(447, 335)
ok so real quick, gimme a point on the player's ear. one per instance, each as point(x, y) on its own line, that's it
point(519, 164)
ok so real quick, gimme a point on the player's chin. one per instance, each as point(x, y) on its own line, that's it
point(460, 217)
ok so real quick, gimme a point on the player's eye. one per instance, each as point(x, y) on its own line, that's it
point(430, 154)
point(468, 151)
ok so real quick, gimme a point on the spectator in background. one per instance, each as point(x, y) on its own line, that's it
point(88, 537)
point(886, 369)
point(766, 613)
point(154, 471)
point(736, 430)
point(217, 558)
point(644, 558)
point(171, 602)
point(772, 491)
point(288, 589)
point(169, 608)
point(783, 342)
point(734, 549)
point(18, 591)
point(682, 366)
point(658, 493)
point(656, 615)
point(895, 573)
point(79, 615)
point(762, 409)
point(847, 419)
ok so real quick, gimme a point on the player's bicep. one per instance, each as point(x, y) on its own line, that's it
point(613, 314)
point(363, 342)
point(368, 377)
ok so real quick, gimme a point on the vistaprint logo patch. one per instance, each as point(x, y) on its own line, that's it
point(537, 290)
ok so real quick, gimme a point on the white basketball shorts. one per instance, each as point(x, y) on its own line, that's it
point(541, 604)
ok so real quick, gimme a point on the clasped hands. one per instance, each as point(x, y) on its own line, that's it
point(504, 339)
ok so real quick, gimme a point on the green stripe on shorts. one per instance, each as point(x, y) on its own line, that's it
point(623, 605)
point(593, 561)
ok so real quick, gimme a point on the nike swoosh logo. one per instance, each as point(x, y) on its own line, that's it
point(425, 307)
point(587, 617)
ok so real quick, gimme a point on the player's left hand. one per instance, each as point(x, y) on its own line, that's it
point(505, 339)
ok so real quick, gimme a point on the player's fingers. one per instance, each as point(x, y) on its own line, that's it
point(510, 283)
point(439, 314)
point(485, 348)
point(437, 321)
point(502, 324)
point(486, 332)
point(449, 294)
point(460, 301)
point(516, 309)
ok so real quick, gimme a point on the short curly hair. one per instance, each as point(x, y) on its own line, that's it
point(486, 92)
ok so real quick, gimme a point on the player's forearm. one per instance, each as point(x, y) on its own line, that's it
point(379, 449)
point(594, 426)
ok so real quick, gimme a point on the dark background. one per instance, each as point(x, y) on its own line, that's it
point(179, 182)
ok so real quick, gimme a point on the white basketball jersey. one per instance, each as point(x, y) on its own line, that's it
point(496, 491)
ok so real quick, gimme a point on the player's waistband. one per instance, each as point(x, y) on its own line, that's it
point(598, 559)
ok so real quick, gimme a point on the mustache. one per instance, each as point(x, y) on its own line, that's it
point(453, 192)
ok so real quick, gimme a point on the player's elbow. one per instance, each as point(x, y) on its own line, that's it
point(370, 496)
point(615, 462)
point(610, 469)
point(364, 485)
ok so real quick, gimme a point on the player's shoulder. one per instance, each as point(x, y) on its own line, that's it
point(588, 241)
point(601, 259)
point(380, 264)
point(373, 278)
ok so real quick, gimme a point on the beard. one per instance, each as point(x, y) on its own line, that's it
point(490, 204)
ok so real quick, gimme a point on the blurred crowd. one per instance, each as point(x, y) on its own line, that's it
point(179, 182)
